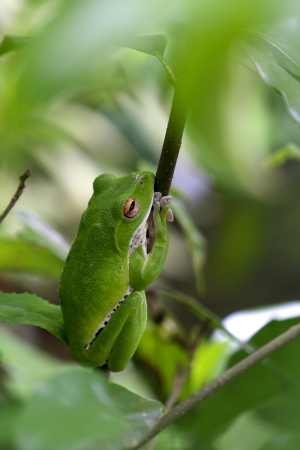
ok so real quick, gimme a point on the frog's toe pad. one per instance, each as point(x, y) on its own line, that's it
point(166, 200)
point(170, 215)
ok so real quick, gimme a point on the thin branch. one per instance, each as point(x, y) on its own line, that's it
point(215, 385)
point(215, 322)
point(16, 195)
point(172, 141)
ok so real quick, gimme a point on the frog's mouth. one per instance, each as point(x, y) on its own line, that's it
point(107, 318)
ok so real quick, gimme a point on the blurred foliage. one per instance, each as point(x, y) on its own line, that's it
point(75, 102)
point(270, 395)
point(32, 310)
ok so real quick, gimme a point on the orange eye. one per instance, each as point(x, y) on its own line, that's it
point(131, 207)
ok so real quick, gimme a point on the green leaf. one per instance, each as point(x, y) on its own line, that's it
point(280, 156)
point(141, 414)
point(207, 364)
point(283, 441)
point(259, 389)
point(153, 45)
point(26, 365)
point(32, 310)
point(37, 231)
point(279, 67)
point(156, 346)
point(243, 428)
point(9, 411)
point(18, 255)
point(173, 438)
point(74, 410)
point(11, 43)
point(78, 38)
point(284, 55)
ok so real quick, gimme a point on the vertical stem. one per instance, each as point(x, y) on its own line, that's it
point(172, 141)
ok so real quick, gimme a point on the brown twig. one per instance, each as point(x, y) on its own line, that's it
point(16, 195)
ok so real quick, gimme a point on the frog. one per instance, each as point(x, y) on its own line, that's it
point(120, 249)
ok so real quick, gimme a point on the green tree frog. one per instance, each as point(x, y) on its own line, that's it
point(120, 249)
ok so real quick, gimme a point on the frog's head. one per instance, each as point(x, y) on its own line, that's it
point(134, 200)
point(123, 203)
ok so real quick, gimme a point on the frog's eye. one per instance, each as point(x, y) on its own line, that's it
point(131, 207)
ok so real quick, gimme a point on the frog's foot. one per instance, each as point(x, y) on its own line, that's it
point(164, 202)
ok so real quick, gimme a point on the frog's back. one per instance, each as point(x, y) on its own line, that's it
point(95, 280)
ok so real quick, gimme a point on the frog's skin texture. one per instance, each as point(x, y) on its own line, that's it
point(109, 266)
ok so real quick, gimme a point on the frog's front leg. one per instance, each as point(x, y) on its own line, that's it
point(118, 340)
point(144, 267)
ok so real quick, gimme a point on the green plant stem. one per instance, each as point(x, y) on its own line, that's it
point(199, 310)
point(16, 195)
point(217, 384)
point(172, 141)
point(170, 75)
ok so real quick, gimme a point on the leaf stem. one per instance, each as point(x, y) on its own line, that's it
point(215, 385)
point(170, 75)
point(16, 195)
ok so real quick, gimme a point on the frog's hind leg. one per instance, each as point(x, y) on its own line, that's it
point(132, 330)
point(118, 340)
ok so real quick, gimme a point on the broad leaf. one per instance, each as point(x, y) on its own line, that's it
point(153, 45)
point(258, 389)
point(283, 441)
point(37, 231)
point(156, 346)
point(26, 366)
point(18, 255)
point(141, 414)
point(279, 67)
point(78, 36)
point(9, 411)
point(32, 310)
point(284, 55)
point(74, 410)
point(11, 43)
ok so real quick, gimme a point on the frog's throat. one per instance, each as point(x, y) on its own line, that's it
point(139, 237)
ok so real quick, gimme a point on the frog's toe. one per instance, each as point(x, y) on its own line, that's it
point(166, 200)
point(157, 197)
point(170, 215)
